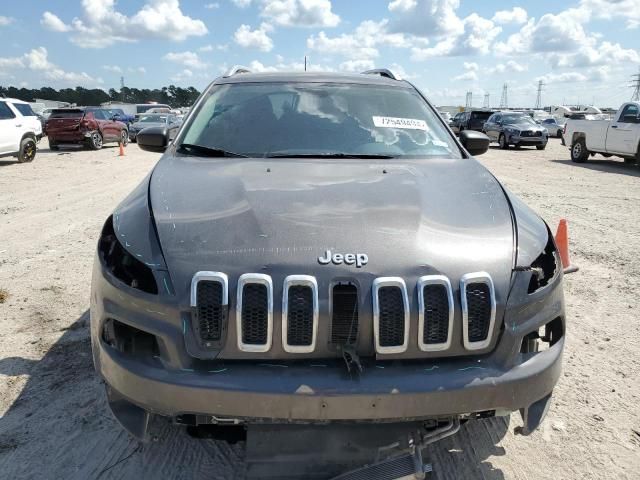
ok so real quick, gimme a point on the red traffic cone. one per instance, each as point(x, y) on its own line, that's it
point(562, 242)
point(121, 149)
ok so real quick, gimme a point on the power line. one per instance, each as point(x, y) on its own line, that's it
point(539, 96)
point(504, 99)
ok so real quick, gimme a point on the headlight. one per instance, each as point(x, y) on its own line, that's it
point(122, 265)
point(544, 268)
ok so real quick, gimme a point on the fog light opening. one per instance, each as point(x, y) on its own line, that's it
point(129, 340)
point(543, 338)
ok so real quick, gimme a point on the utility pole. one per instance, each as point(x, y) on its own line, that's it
point(636, 87)
point(122, 89)
point(504, 99)
point(486, 104)
point(539, 97)
point(469, 100)
point(305, 63)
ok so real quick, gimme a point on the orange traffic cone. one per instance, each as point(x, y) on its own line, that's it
point(121, 149)
point(562, 242)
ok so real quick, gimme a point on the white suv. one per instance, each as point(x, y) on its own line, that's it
point(20, 130)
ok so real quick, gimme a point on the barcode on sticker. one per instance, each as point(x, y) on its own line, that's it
point(396, 122)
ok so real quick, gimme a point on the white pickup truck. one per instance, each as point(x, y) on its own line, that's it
point(620, 136)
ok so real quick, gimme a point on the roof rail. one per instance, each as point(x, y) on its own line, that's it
point(383, 72)
point(235, 70)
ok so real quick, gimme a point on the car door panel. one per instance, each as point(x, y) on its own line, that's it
point(9, 129)
point(622, 134)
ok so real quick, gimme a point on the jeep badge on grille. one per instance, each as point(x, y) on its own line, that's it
point(357, 259)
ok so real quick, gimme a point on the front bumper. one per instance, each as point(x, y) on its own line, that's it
point(319, 391)
point(527, 141)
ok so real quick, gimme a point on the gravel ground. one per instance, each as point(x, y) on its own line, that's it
point(54, 422)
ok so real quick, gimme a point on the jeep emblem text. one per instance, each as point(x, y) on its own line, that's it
point(359, 259)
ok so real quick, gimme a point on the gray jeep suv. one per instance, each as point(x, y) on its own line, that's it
point(318, 251)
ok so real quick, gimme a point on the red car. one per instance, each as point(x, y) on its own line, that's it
point(90, 126)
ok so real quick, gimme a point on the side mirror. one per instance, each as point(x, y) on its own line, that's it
point(153, 139)
point(476, 143)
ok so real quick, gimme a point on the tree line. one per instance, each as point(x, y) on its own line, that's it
point(171, 95)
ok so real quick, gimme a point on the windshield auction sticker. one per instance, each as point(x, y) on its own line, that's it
point(395, 122)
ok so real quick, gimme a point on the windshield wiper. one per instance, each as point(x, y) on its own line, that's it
point(207, 151)
point(328, 155)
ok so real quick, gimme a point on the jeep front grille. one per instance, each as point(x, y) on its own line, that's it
point(299, 314)
point(435, 314)
point(209, 299)
point(254, 312)
point(390, 315)
point(478, 309)
point(344, 314)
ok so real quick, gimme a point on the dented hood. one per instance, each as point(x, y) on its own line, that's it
point(277, 216)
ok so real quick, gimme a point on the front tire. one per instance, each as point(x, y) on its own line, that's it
point(27, 150)
point(502, 141)
point(579, 152)
point(541, 147)
point(96, 141)
point(124, 137)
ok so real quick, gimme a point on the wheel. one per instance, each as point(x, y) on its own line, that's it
point(517, 146)
point(95, 141)
point(27, 150)
point(541, 147)
point(53, 146)
point(124, 137)
point(559, 133)
point(502, 141)
point(579, 152)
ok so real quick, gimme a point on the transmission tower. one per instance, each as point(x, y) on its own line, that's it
point(122, 89)
point(539, 97)
point(504, 99)
point(469, 100)
point(636, 87)
point(485, 104)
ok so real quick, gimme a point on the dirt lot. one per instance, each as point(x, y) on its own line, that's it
point(54, 422)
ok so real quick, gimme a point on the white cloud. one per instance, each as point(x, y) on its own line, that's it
point(102, 25)
point(241, 3)
point(475, 38)
point(112, 68)
point(362, 43)
point(563, 77)
point(357, 65)
point(258, 38)
point(211, 48)
point(37, 60)
point(425, 18)
point(182, 76)
point(604, 54)
point(628, 10)
point(516, 15)
point(52, 22)
point(4, 21)
point(212, 6)
point(140, 70)
point(300, 13)
point(188, 59)
point(470, 74)
point(551, 33)
point(510, 66)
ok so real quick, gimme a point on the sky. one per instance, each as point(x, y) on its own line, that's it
point(584, 51)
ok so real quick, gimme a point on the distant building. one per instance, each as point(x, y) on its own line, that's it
point(52, 103)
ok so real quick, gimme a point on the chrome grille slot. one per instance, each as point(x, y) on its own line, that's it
point(299, 314)
point(390, 315)
point(344, 314)
point(254, 312)
point(435, 314)
point(209, 300)
point(478, 310)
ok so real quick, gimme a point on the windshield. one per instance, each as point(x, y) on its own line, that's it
point(280, 119)
point(515, 119)
point(153, 118)
point(66, 114)
point(480, 115)
point(149, 106)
